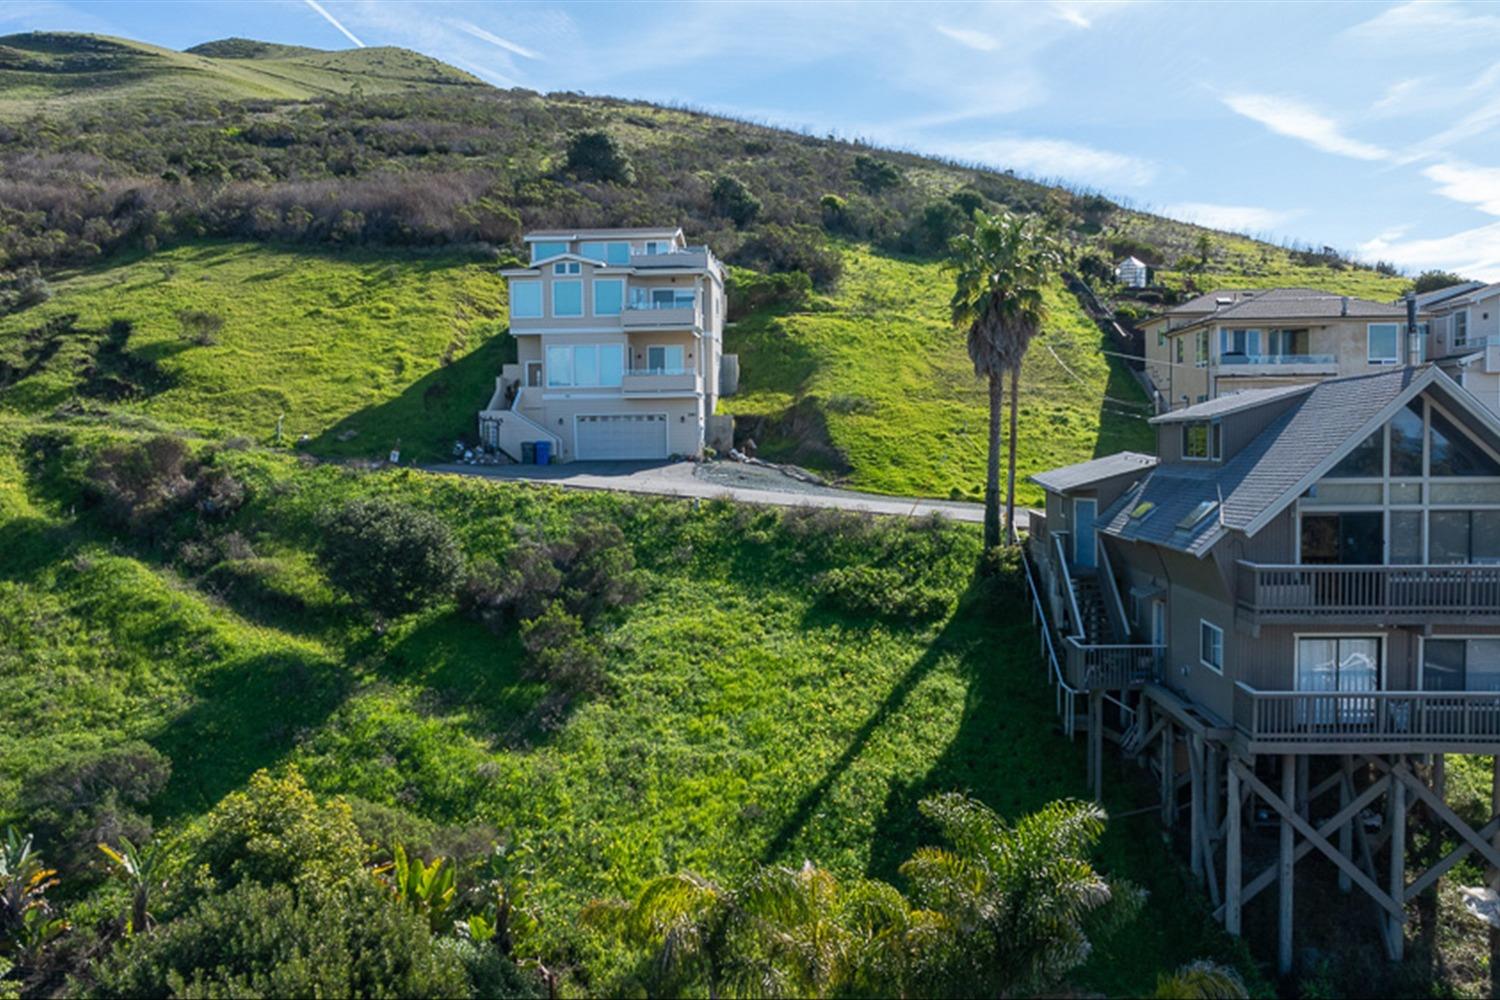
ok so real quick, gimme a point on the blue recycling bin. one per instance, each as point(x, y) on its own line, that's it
point(544, 453)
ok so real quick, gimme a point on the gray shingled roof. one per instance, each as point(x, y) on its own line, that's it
point(1282, 303)
point(1324, 422)
point(1071, 477)
point(1230, 402)
point(1208, 301)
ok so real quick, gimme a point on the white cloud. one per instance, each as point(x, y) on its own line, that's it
point(976, 40)
point(1479, 186)
point(1233, 218)
point(493, 39)
point(1292, 118)
point(1432, 25)
point(1057, 158)
point(1474, 253)
point(1070, 13)
point(334, 21)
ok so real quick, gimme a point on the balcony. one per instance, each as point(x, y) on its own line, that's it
point(1366, 721)
point(662, 381)
point(1279, 364)
point(1394, 595)
point(674, 314)
point(694, 258)
point(1109, 668)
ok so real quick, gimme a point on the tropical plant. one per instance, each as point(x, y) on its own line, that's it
point(430, 889)
point(27, 923)
point(141, 868)
point(684, 918)
point(1001, 269)
point(1019, 897)
point(1201, 980)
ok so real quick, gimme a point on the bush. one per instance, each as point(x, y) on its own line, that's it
point(561, 653)
point(934, 230)
point(591, 570)
point(277, 832)
point(874, 174)
point(22, 289)
point(199, 326)
point(1431, 281)
point(733, 200)
point(880, 591)
point(491, 974)
point(750, 291)
point(598, 155)
point(780, 249)
point(271, 940)
point(141, 486)
point(389, 556)
point(93, 797)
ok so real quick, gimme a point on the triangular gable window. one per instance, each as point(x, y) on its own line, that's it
point(1454, 453)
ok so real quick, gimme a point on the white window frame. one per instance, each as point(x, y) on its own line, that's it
point(567, 267)
point(666, 369)
point(573, 350)
point(1206, 627)
point(598, 283)
point(1214, 443)
point(558, 284)
point(540, 302)
point(1381, 671)
point(537, 255)
point(1395, 357)
point(1453, 324)
point(1201, 345)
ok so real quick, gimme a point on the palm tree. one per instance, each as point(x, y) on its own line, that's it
point(1001, 269)
point(683, 917)
point(1021, 899)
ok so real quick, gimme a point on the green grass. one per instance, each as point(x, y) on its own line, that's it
point(875, 376)
point(355, 350)
point(743, 722)
point(58, 72)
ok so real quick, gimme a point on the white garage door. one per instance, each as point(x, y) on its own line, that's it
point(619, 436)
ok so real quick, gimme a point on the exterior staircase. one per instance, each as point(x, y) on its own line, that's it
point(1094, 620)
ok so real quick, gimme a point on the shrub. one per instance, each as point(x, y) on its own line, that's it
point(277, 832)
point(591, 570)
point(491, 974)
point(561, 653)
point(879, 591)
point(23, 288)
point(598, 155)
point(1121, 246)
point(199, 326)
point(92, 797)
point(271, 940)
point(140, 486)
point(733, 200)
point(1431, 281)
point(750, 291)
point(874, 174)
point(939, 222)
point(779, 248)
point(968, 201)
point(390, 556)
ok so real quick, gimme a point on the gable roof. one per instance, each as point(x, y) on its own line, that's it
point(1466, 296)
point(1133, 261)
point(1270, 472)
point(1071, 477)
point(1447, 292)
point(1232, 402)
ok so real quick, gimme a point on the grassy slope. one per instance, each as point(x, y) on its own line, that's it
point(879, 362)
point(335, 342)
point(46, 72)
point(683, 764)
point(341, 342)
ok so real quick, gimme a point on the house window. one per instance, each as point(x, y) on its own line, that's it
point(567, 267)
point(1161, 337)
point(1179, 350)
point(525, 300)
point(1454, 454)
point(541, 251)
point(1460, 323)
point(1202, 359)
point(593, 250)
point(1241, 343)
point(1366, 461)
point(1211, 646)
point(1461, 665)
point(567, 298)
point(1201, 439)
point(617, 254)
point(1384, 343)
point(664, 360)
point(587, 365)
point(1464, 536)
point(609, 296)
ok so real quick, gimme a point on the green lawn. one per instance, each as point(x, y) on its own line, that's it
point(743, 722)
point(875, 374)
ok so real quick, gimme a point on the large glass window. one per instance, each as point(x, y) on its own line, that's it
point(1406, 441)
point(1454, 454)
point(559, 366)
point(525, 299)
point(609, 296)
point(1461, 665)
point(1366, 461)
point(1463, 536)
point(1351, 538)
point(1460, 328)
point(541, 251)
point(1406, 537)
point(1243, 343)
point(593, 250)
point(1338, 665)
point(567, 298)
point(611, 364)
point(664, 360)
point(586, 365)
point(1384, 343)
point(1201, 439)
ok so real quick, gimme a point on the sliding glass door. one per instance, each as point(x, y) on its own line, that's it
point(1338, 665)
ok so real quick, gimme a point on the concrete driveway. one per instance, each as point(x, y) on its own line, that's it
point(717, 479)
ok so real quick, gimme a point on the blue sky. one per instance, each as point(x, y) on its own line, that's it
point(1370, 127)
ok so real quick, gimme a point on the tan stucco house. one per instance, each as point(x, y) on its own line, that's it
point(1465, 339)
point(620, 339)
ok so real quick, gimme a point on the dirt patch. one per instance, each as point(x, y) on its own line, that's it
point(798, 435)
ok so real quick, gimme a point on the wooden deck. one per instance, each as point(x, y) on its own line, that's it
point(1386, 722)
point(1395, 595)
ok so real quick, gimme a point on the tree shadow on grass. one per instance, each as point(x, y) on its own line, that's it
point(1123, 414)
point(246, 715)
point(433, 412)
point(31, 544)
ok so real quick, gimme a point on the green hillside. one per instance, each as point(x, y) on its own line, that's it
point(57, 72)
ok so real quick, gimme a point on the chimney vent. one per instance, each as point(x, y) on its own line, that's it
point(1344, 306)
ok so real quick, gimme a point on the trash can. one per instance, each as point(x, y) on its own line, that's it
point(544, 453)
point(528, 452)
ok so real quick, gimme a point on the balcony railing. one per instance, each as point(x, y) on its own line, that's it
point(1229, 360)
point(658, 314)
point(1462, 593)
point(661, 380)
point(1094, 667)
point(1372, 718)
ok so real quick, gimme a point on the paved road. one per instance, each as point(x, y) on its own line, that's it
point(677, 479)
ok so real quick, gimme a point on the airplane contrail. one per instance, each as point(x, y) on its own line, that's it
point(335, 22)
point(493, 39)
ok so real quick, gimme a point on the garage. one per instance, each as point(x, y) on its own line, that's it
point(622, 436)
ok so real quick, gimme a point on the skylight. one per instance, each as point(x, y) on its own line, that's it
point(1141, 510)
point(1197, 514)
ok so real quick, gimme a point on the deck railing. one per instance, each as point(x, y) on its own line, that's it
point(1229, 360)
point(1311, 593)
point(1111, 667)
point(1408, 717)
